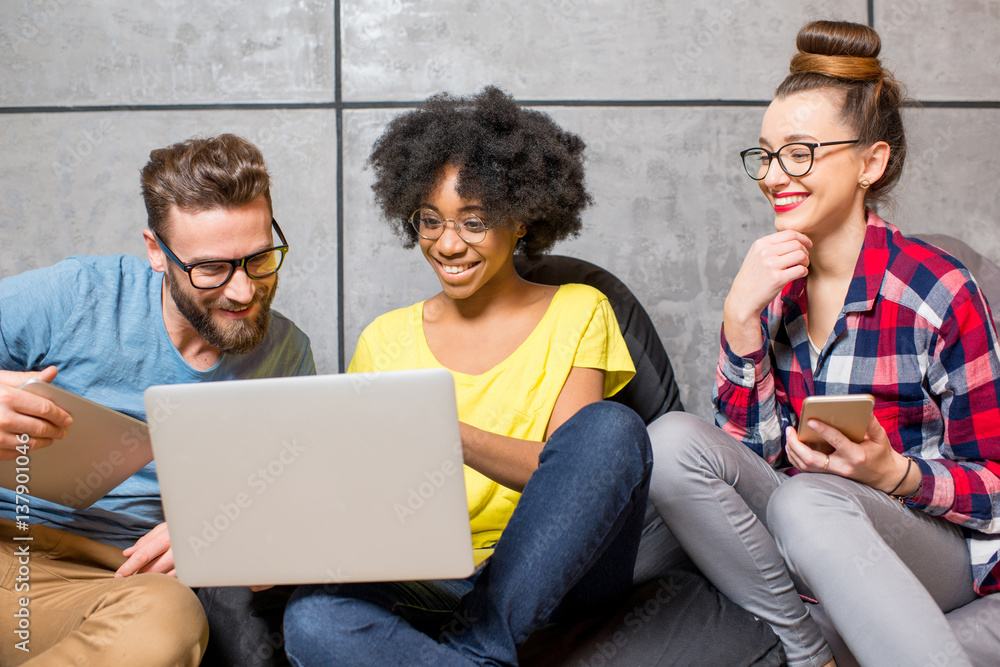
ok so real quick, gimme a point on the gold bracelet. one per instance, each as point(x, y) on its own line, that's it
point(909, 464)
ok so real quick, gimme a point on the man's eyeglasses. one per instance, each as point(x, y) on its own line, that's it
point(795, 159)
point(214, 273)
point(429, 225)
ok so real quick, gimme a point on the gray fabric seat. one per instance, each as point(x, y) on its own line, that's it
point(986, 273)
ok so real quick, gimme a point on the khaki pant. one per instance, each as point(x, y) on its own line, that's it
point(58, 590)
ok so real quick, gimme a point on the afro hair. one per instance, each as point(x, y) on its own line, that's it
point(520, 165)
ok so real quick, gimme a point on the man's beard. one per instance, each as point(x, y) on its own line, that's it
point(235, 336)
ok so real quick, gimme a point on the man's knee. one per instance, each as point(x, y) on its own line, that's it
point(169, 618)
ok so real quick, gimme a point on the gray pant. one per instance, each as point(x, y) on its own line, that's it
point(884, 573)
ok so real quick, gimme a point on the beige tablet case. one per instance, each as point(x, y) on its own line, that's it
point(102, 449)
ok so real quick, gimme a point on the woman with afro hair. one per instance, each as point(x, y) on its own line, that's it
point(556, 477)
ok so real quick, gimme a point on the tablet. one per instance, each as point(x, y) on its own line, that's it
point(102, 449)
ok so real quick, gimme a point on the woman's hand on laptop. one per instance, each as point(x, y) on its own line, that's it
point(150, 553)
point(27, 419)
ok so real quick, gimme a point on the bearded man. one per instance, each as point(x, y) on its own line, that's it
point(102, 587)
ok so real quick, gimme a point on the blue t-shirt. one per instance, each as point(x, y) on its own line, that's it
point(99, 321)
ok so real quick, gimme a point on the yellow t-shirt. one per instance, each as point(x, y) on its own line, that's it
point(514, 398)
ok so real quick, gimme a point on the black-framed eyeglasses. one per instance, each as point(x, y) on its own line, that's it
point(429, 225)
point(214, 273)
point(795, 159)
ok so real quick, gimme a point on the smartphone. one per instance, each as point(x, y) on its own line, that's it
point(848, 414)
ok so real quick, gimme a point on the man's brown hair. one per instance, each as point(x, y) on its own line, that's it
point(203, 174)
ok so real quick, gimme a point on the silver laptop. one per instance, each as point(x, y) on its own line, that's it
point(330, 478)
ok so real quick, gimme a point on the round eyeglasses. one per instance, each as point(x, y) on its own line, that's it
point(795, 159)
point(214, 273)
point(429, 225)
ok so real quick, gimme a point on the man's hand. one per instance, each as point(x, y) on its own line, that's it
point(150, 553)
point(23, 413)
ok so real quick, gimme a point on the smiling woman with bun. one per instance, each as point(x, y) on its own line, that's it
point(891, 532)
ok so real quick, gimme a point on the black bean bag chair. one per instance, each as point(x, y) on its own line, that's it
point(653, 391)
point(673, 616)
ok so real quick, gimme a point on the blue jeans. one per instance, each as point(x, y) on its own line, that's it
point(569, 548)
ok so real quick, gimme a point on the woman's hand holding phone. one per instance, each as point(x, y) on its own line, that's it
point(871, 461)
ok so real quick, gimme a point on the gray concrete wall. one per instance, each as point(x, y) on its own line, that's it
point(89, 88)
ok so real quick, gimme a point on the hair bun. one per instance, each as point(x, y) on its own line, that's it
point(838, 49)
point(843, 57)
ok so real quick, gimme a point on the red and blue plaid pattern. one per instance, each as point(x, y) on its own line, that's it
point(917, 334)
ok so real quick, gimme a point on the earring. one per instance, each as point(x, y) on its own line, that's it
point(864, 183)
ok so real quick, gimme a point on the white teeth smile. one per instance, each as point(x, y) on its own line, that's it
point(455, 268)
point(785, 201)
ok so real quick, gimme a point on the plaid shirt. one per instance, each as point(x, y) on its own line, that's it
point(917, 334)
